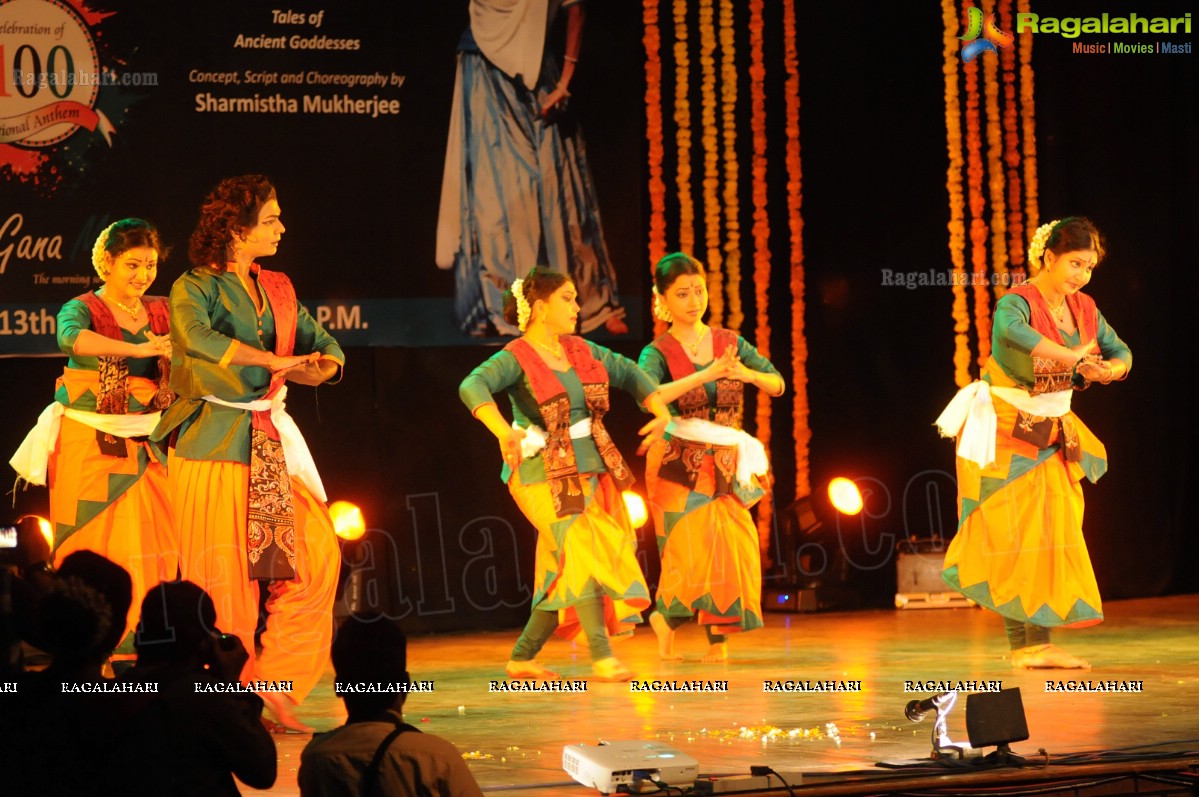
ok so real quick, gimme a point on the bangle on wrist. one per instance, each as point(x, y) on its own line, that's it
point(572, 59)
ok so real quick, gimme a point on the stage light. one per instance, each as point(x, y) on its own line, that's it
point(27, 542)
point(845, 496)
point(347, 520)
point(635, 505)
point(996, 718)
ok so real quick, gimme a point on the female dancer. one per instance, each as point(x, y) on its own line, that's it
point(563, 470)
point(516, 178)
point(704, 475)
point(1022, 453)
point(248, 500)
point(108, 486)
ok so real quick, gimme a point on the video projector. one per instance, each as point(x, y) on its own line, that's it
point(628, 765)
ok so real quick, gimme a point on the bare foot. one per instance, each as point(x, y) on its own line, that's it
point(529, 669)
point(616, 326)
point(665, 635)
point(610, 669)
point(282, 714)
point(717, 651)
point(1046, 657)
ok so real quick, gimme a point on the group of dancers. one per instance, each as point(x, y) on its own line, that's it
point(168, 449)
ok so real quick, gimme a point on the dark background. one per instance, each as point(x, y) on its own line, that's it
point(1117, 141)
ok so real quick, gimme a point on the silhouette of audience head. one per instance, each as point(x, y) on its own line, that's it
point(178, 624)
point(370, 651)
point(81, 620)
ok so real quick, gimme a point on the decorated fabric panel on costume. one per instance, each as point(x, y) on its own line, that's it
point(270, 521)
point(584, 555)
point(112, 397)
point(725, 404)
point(1019, 548)
point(711, 563)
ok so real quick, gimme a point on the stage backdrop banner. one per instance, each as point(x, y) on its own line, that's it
point(131, 108)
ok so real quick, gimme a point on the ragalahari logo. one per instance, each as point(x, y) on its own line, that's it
point(993, 37)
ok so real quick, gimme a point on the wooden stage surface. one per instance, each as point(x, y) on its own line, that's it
point(513, 741)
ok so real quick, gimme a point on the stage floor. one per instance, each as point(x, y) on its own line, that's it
point(513, 741)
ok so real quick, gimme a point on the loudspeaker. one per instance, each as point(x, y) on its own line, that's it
point(995, 718)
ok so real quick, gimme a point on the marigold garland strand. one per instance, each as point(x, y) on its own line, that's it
point(1011, 151)
point(799, 343)
point(995, 181)
point(761, 231)
point(978, 225)
point(711, 182)
point(652, 39)
point(732, 207)
point(1032, 213)
point(957, 200)
point(682, 120)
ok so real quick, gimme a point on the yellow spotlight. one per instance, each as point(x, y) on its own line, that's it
point(347, 520)
point(635, 505)
point(43, 526)
point(845, 496)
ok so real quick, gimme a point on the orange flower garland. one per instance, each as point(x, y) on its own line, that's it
point(732, 207)
point(799, 343)
point(652, 39)
point(707, 62)
point(1028, 119)
point(761, 231)
point(682, 120)
point(978, 227)
point(995, 180)
point(957, 201)
point(1011, 150)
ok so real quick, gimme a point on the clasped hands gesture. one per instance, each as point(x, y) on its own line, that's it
point(1092, 366)
point(156, 345)
point(303, 369)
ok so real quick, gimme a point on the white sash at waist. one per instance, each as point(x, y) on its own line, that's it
point(32, 459)
point(972, 413)
point(535, 438)
point(300, 464)
point(751, 454)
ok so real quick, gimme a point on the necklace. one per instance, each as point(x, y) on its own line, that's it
point(1059, 311)
point(694, 347)
point(558, 352)
point(132, 311)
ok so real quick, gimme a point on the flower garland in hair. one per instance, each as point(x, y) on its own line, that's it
point(100, 251)
point(682, 120)
point(707, 61)
point(995, 182)
point(523, 310)
point(1028, 122)
point(1036, 247)
point(799, 343)
point(652, 40)
point(978, 226)
point(661, 311)
point(957, 200)
point(732, 207)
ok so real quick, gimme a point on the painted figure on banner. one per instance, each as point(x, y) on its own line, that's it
point(249, 503)
point(564, 471)
point(1022, 453)
point(706, 472)
point(108, 484)
point(517, 189)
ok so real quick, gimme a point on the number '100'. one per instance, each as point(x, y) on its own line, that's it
point(29, 88)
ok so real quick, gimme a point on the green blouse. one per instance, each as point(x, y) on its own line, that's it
point(210, 314)
point(73, 318)
point(653, 362)
point(502, 372)
point(1013, 339)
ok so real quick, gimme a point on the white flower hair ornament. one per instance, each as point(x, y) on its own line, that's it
point(1036, 247)
point(100, 252)
point(523, 310)
point(661, 311)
